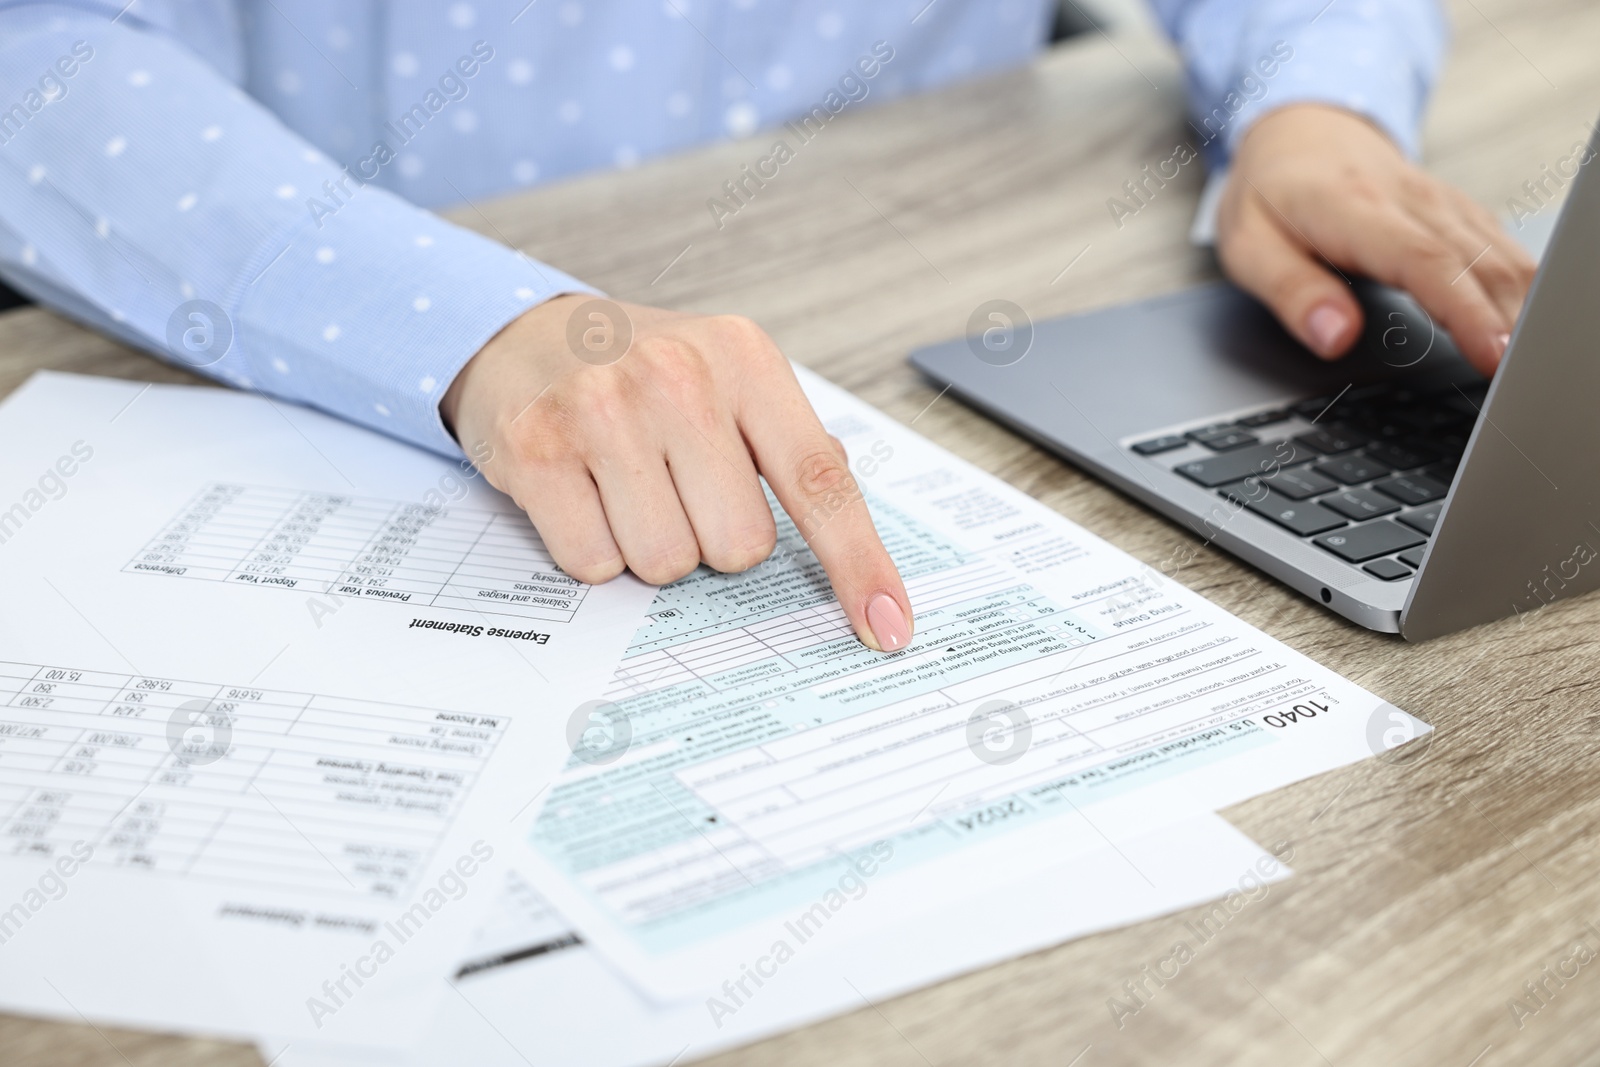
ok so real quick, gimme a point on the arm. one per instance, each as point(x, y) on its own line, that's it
point(1316, 108)
point(1245, 58)
point(143, 181)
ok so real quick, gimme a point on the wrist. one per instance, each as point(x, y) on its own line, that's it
point(1303, 121)
point(511, 353)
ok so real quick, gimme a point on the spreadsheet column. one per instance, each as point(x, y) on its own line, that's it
point(509, 567)
point(314, 541)
point(210, 536)
point(412, 554)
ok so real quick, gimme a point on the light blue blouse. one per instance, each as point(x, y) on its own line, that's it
point(235, 185)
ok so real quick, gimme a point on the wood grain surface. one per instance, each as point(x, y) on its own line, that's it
point(1427, 892)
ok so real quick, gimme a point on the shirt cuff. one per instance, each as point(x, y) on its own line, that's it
point(370, 310)
point(1376, 61)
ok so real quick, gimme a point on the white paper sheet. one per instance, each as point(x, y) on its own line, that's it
point(269, 685)
point(1058, 693)
point(560, 1004)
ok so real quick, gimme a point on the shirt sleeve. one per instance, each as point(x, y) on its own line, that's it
point(1244, 58)
point(144, 194)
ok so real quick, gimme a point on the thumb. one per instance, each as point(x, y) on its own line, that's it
point(1277, 267)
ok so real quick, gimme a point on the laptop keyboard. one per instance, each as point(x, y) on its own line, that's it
point(1362, 475)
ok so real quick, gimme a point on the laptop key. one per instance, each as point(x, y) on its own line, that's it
point(1413, 557)
point(1431, 420)
point(1263, 418)
point(1227, 440)
point(1387, 569)
point(1294, 484)
point(1360, 504)
point(1352, 470)
point(1311, 408)
point(1207, 430)
point(1412, 488)
point(1423, 519)
point(1383, 427)
point(1300, 483)
point(1357, 544)
point(1242, 493)
point(1241, 463)
point(1160, 444)
point(1443, 473)
point(1298, 516)
point(1402, 457)
point(1331, 440)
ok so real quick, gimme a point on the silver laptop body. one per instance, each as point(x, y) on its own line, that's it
point(1395, 486)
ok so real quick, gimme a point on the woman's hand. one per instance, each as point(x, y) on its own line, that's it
point(633, 437)
point(1313, 185)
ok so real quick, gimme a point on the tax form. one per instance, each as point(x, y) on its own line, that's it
point(749, 754)
point(271, 688)
point(532, 992)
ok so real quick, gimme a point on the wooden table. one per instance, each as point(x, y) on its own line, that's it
point(1426, 893)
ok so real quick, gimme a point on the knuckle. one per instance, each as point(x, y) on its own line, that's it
point(668, 353)
point(1524, 269)
point(746, 344)
point(596, 399)
point(821, 473)
point(679, 370)
point(596, 567)
point(743, 332)
point(1429, 252)
point(1422, 188)
point(744, 549)
point(665, 563)
point(1498, 272)
point(1362, 188)
point(586, 553)
point(1477, 213)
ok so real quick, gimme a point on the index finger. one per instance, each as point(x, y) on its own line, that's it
point(1399, 251)
point(811, 478)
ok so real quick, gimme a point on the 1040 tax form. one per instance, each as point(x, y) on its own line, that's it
point(531, 991)
point(748, 753)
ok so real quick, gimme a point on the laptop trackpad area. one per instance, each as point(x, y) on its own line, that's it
point(1091, 380)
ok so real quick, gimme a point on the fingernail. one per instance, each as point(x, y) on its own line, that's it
point(1500, 342)
point(1326, 324)
point(888, 623)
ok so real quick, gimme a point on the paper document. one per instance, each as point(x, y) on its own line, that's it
point(750, 752)
point(534, 994)
point(520, 926)
point(404, 552)
point(271, 687)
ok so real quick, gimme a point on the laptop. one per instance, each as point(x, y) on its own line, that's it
point(1396, 486)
